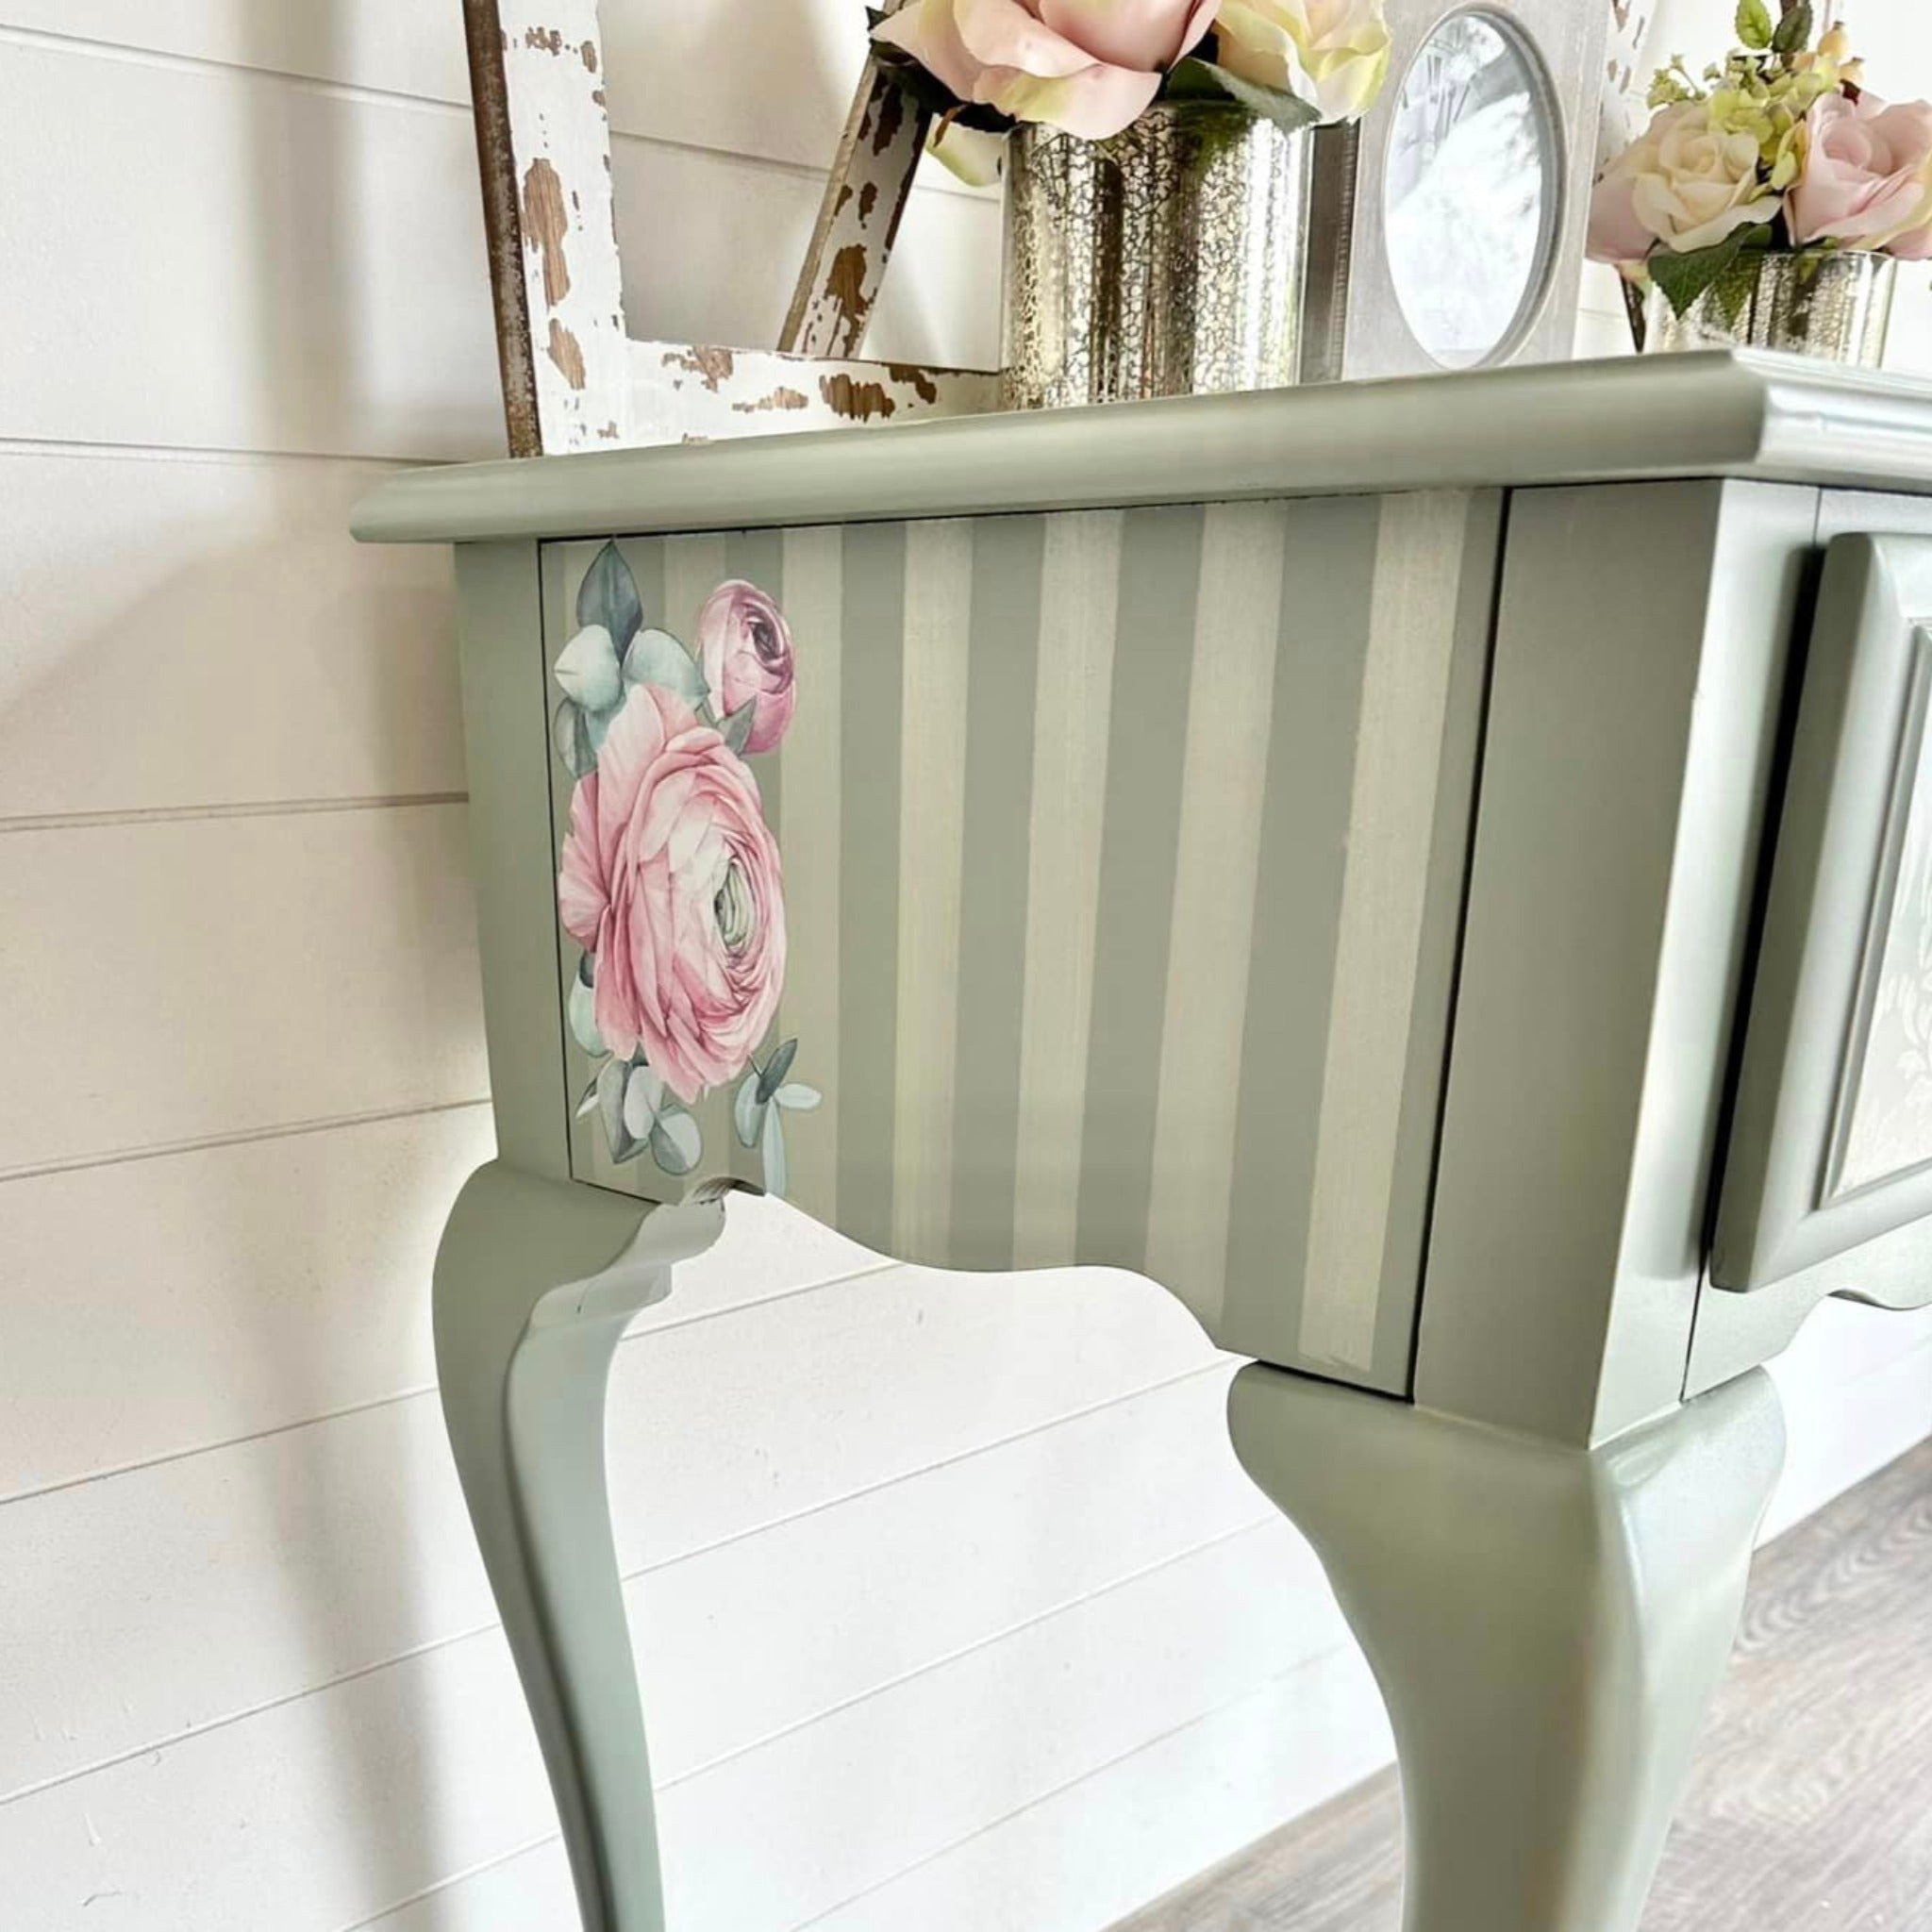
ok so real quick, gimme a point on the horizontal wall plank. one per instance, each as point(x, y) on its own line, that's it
point(687, 73)
point(321, 1812)
point(177, 1595)
point(1075, 1860)
point(170, 1305)
point(1095, 1851)
point(185, 632)
point(228, 1291)
point(305, 269)
point(174, 980)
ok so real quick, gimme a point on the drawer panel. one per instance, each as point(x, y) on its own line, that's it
point(1118, 858)
point(1832, 1144)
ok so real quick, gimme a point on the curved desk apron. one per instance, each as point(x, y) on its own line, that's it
point(1432, 873)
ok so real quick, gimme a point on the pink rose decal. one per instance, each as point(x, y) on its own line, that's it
point(744, 650)
point(1867, 181)
point(1091, 67)
point(671, 879)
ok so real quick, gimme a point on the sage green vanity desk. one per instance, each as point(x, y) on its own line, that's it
point(1436, 873)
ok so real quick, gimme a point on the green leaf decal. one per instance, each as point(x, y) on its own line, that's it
point(797, 1097)
point(775, 1069)
point(587, 670)
point(1754, 25)
point(749, 1110)
point(608, 595)
point(645, 1099)
point(588, 1105)
point(736, 729)
point(574, 740)
point(611, 1083)
point(677, 1144)
point(580, 1010)
point(1287, 111)
point(772, 1153)
point(656, 657)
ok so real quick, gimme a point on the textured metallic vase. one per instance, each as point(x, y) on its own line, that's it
point(1833, 308)
point(1167, 261)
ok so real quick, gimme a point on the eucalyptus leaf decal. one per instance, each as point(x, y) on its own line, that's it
point(587, 670)
point(608, 596)
point(737, 728)
point(573, 738)
point(777, 1068)
point(772, 1153)
point(656, 657)
point(676, 1145)
point(581, 1010)
point(764, 1098)
point(611, 1083)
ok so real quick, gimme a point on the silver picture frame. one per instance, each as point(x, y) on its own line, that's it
point(1562, 46)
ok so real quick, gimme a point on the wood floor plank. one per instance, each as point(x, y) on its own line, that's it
point(1810, 1803)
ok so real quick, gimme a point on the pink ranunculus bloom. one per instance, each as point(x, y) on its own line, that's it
point(1867, 180)
point(671, 878)
point(744, 649)
point(1091, 67)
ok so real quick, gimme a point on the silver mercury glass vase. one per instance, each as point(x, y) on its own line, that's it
point(1168, 260)
point(1833, 306)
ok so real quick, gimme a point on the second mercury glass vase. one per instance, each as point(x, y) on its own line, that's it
point(1169, 260)
point(1833, 307)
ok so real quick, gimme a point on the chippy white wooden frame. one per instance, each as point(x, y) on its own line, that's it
point(572, 378)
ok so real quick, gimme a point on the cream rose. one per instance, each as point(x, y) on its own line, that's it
point(1681, 182)
point(1091, 67)
point(1332, 54)
point(1867, 179)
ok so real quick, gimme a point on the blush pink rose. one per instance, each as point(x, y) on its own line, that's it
point(1867, 180)
point(744, 648)
point(671, 878)
point(1091, 67)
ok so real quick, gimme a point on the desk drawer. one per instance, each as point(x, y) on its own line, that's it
point(1119, 856)
point(1832, 1141)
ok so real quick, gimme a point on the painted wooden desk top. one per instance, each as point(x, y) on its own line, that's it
point(1722, 414)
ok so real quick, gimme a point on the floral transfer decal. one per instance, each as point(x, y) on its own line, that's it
point(670, 878)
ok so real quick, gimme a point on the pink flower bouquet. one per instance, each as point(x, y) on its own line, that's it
point(1093, 67)
point(1780, 150)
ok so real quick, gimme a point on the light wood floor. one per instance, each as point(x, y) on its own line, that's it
point(1811, 1803)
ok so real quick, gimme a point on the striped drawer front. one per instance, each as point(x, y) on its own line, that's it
point(1121, 869)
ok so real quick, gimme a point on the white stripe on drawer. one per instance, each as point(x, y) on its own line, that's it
point(1079, 595)
point(1231, 714)
point(1404, 689)
point(932, 752)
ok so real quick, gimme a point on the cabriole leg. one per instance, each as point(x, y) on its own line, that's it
point(1547, 1624)
point(535, 1282)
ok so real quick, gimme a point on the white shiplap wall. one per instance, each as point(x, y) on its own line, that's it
point(953, 1612)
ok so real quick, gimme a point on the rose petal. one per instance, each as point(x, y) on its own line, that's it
point(1145, 34)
